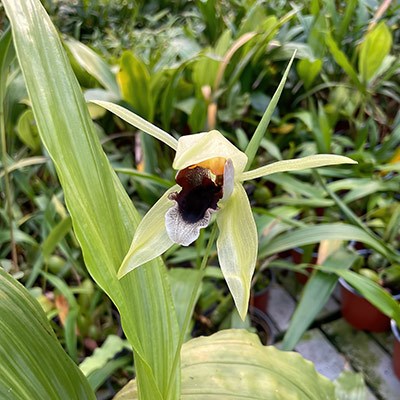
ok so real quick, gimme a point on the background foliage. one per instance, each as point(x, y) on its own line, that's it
point(189, 66)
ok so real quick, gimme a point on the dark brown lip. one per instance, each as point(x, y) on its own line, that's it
point(199, 193)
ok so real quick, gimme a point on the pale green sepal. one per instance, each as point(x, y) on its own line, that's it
point(138, 122)
point(193, 149)
point(151, 238)
point(319, 160)
point(237, 246)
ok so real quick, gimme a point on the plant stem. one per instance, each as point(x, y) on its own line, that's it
point(7, 184)
point(189, 310)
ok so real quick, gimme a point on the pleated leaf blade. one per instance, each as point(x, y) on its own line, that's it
point(33, 365)
point(103, 217)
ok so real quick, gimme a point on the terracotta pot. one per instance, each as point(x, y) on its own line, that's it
point(396, 351)
point(260, 299)
point(263, 325)
point(297, 257)
point(302, 278)
point(359, 312)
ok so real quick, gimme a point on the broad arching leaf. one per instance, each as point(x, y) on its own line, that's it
point(233, 364)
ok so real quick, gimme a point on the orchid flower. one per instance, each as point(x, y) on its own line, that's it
point(209, 180)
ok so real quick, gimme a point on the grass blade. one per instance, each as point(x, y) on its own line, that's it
point(255, 141)
point(315, 294)
point(317, 233)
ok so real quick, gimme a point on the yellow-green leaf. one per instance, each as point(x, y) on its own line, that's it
point(233, 364)
point(373, 50)
point(308, 70)
point(134, 80)
point(103, 216)
point(27, 130)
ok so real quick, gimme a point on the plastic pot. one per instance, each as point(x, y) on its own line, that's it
point(261, 322)
point(260, 299)
point(396, 351)
point(359, 312)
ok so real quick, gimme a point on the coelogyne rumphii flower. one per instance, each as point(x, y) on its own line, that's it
point(209, 180)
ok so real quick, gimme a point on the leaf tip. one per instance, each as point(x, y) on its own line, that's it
point(124, 269)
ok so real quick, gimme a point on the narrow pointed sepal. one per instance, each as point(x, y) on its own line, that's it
point(151, 238)
point(138, 122)
point(318, 160)
point(237, 246)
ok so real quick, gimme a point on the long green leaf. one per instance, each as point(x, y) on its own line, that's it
point(314, 234)
point(7, 54)
point(346, 20)
point(232, 364)
point(182, 285)
point(55, 236)
point(342, 60)
point(33, 365)
point(374, 293)
point(388, 252)
point(103, 217)
point(255, 141)
point(315, 294)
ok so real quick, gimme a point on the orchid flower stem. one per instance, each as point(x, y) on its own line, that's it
point(189, 310)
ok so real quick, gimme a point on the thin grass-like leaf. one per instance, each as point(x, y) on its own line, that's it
point(374, 293)
point(255, 141)
point(342, 60)
point(315, 294)
point(315, 234)
point(384, 249)
point(55, 236)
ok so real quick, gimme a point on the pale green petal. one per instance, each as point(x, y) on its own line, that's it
point(138, 122)
point(237, 246)
point(319, 160)
point(151, 238)
point(193, 149)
